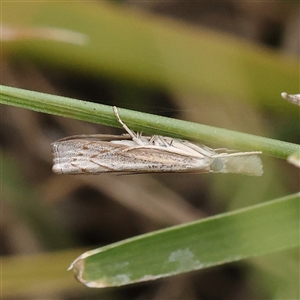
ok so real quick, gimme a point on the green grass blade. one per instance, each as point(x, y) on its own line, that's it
point(154, 51)
point(103, 114)
point(250, 232)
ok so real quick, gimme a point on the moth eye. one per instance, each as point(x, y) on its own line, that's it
point(217, 165)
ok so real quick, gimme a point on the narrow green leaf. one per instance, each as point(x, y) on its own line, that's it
point(103, 114)
point(250, 232)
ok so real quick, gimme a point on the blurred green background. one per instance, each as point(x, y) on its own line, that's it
point(218, 63)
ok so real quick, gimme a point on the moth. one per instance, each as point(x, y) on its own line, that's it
point(133, 153)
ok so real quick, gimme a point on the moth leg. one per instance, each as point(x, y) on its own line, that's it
point(165, 142)
point(135, 137)
point(214, 153)
point(157, 140)
point(203, 150)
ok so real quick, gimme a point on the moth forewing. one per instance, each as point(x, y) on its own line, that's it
point(81, 156)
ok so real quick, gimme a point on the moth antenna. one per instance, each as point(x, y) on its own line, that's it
point(135, 137)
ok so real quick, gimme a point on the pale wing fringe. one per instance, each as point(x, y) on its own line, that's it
point(247, 165)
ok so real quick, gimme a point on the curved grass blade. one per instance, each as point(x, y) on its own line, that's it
point(103, 114)
point(250, 232)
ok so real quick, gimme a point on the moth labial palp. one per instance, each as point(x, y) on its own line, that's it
point(135, 154)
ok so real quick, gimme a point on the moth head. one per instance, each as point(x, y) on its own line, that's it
point(217, 165)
